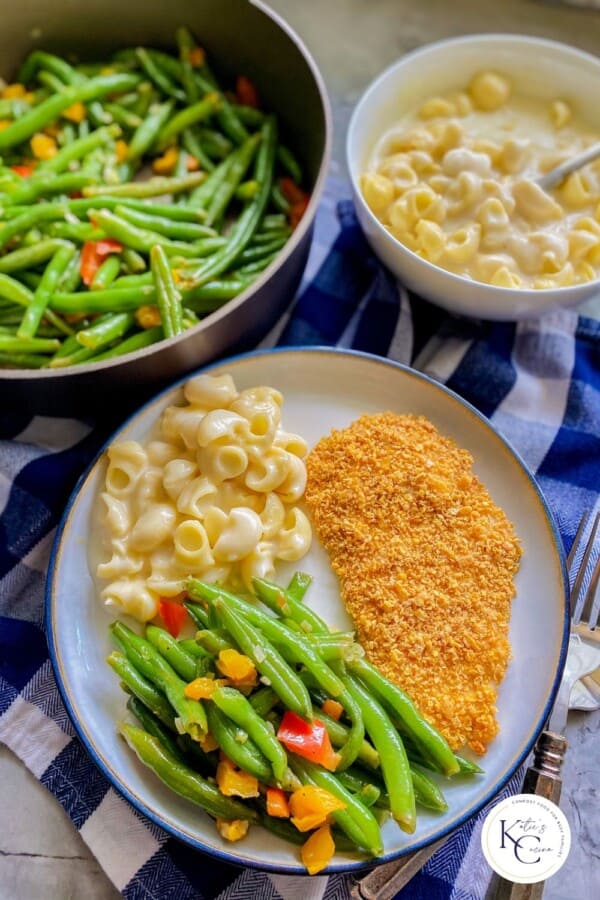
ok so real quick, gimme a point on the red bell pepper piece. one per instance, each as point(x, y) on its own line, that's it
point(296, 197)
point(24, 171)
point(307, 739)
point(245, 92)
point(92, 256)
point(173, 615)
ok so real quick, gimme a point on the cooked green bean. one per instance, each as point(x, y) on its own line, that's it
point(28, 218)
point(214, 142)
point(22, 360)
point(122, 116)
point(131, 344)
point(170, 228)
point(153, 726)
point(392, 756)
point(168, 298)
point(186, 44)
point(288, 161)
point(81, 207)
point(75, 231)
point(244, 754)
point(242, 159)
point(244, 227)
point(133, 261)
point(157, 75)
point(154, 187)
point(192, 144)
point(106, 273)
point(142, 688)
point(141, 239)
point(105, 330)
point(182, 779)
point(183, 663)
point(237, 708)
point(47, 183)
point(189, 116)
point(15, 344)
point(430, 742)
point(111, 300)
point(43, 293)
point(13, 290)
point(148, 131)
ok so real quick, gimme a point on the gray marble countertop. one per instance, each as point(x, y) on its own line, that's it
point(42, 856)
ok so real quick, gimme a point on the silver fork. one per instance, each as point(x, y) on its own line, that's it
point(543, 776)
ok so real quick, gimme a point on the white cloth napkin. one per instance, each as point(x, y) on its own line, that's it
point(583, 662)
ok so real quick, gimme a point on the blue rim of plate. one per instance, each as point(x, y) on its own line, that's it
point(186, 838)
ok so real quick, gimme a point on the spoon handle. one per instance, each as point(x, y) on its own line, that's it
point(555, 176)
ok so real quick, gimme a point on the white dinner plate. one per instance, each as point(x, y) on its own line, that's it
point(323, 389)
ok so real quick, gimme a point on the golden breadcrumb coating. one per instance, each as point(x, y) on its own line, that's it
point(426, 562)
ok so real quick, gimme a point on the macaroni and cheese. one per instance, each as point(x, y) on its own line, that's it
point(455, 182)
point(213, 495)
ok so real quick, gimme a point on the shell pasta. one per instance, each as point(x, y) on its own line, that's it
point(214, 495)
point(455, 181)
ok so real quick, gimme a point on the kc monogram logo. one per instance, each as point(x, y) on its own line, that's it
point(525, 838)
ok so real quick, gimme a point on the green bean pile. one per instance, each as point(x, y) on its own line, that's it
point(389, 756)
point(99, 255)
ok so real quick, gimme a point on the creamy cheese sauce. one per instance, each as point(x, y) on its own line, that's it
point(454, 182)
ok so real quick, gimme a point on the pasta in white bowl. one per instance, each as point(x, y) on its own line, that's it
point(212, 494)
point(444, 149)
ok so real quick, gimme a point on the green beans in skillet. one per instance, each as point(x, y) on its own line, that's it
point(78, 143)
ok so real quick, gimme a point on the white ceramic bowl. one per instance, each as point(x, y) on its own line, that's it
point(539, 68)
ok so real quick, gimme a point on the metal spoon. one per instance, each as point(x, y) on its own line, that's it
point(555, 176)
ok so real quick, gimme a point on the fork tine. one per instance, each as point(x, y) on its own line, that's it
point(588, 616)
point(578, 583)
point(577, 539)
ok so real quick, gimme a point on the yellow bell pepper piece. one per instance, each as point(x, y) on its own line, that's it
point(318, 850)
point(122, 150)
point(310, 806)
point(75, 113)
point(164, 165)
point(232, 782)
point(14, 91)
point(201, 688)
point(233, 830)
point(43, 146)
point(237, 667)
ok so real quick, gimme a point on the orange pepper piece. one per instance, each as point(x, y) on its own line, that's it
point(333, 709)
point(197, 57)
point(277, 803)
point(318, 850)
point(165, 164)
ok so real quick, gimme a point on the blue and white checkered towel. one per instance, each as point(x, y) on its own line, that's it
point(538, 382)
